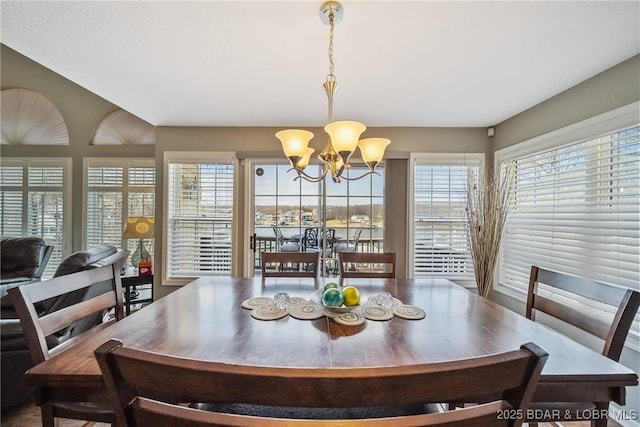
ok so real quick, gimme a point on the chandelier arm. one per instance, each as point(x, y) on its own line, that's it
point(360, 177)
point(307, 177)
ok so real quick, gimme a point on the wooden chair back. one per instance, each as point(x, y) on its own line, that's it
point(144, 387)
point(103, 293)
point(360, 265)
point(27, 298)
point(623, 303)
point(290, 264)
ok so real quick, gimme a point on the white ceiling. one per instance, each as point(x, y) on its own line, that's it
point(262, 63)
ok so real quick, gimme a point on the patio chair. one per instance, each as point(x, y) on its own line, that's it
point(285, 244)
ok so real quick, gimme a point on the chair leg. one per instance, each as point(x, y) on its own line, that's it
point(48, 419)
point(601, 409)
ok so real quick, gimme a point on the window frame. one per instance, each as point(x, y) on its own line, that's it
point(100, 162)
point(194, 157)
point(67, 167)
point(436, 159)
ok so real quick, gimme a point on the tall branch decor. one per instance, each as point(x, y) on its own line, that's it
point(488, 204)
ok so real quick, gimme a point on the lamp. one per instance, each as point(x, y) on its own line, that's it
point(139, 227)
point(343, 135)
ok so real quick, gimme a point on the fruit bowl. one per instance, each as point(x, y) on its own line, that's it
point(316, 296)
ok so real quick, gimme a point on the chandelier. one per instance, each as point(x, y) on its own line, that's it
point(343, 135)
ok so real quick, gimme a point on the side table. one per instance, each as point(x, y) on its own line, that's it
point(137, 289)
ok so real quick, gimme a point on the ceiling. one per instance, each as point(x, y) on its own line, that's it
point(262, 63)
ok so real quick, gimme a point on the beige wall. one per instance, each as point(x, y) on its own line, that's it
point(82, 112)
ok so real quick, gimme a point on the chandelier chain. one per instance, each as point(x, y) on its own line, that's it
point(331, 77)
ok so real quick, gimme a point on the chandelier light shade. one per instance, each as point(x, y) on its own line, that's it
point(343, 135)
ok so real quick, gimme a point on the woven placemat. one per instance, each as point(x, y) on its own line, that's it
point(410, 312)
point(269, 312)
point(255, 302)
point(307, 311)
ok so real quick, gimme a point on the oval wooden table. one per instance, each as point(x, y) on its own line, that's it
point(205, 320)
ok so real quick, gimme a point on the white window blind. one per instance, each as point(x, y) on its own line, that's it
point(33, 203)
point(200, 219)
point(440, 245)
point(577, 210)
point(117, 189)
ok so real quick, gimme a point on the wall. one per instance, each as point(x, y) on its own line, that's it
point(260, 143)
point(616, 87)
point(82, 112)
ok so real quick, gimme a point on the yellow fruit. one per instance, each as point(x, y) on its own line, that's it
point(351, 296)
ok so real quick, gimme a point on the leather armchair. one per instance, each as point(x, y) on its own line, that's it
point(22, 260)
point(15, 357)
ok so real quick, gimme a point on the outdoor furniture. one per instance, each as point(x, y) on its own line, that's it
point(285, 244)
point(350, 245)
point(624, 305)
point(102, 293)
point(144, 388)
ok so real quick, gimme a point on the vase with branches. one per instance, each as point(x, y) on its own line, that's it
point(488, 203)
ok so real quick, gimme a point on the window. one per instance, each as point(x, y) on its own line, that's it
point(33, 202)
point(577, 205)
point(115, 190)
point(354, 208)
point(439, 238)
point(199, 218)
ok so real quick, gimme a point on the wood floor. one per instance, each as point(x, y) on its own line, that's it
point(29, 416)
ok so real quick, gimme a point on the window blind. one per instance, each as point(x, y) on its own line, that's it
point(115, 191)
point(440, 242)
point(33, 203)
point(577, 210)
point(200, 219)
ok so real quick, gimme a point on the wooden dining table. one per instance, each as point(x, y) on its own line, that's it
point(205, 320)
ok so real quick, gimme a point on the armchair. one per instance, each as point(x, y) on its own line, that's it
point(22, 260)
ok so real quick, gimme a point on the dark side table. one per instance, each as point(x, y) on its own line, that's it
point(137, 289)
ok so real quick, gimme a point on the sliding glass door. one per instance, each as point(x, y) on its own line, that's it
point(282, 206)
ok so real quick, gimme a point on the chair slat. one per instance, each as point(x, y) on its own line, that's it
point(309, 260)
point(153, 381)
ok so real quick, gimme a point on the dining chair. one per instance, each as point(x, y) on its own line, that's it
point(102, 303)
point(360, 265)
point(145, 388)
point(621, 304)
point(290, 264)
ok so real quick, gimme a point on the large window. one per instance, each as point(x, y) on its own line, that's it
point(295, 204)
point(115, 190)
point(577, 205)
point(199, 218)
point(439, 239)
point(33, 202)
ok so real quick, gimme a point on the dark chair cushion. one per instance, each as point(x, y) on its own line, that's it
point(82, 260)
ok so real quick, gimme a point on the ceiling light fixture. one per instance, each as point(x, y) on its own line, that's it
point(343, 135)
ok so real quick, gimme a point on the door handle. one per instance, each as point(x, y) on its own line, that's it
point(252, 242)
